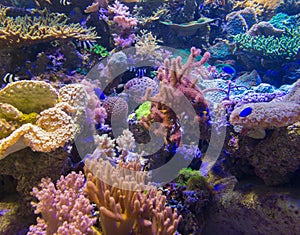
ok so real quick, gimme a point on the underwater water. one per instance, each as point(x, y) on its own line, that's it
point(151, 117)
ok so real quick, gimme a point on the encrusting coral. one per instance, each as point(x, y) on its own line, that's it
point(28, 30)
point(269, 114)
point(127, 204)
point(35, 116)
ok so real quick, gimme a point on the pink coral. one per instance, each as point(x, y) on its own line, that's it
point(125, 22)
point(123, 36)
point(64, 208)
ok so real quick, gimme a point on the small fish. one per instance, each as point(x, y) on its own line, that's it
point(9, 78)
point(65, 2)
point(99, 93)
point(86, 45)
point(228, 69)
point(245, 112)
point(218, 187)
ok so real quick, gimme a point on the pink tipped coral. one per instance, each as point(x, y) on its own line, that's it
point(65, 209)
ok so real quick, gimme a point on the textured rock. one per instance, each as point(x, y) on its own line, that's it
point(251, 208)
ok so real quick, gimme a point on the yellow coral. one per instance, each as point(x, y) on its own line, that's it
point(29, 96)
point(46, 123)
point(147, 46)
point(28, 30)
point(260, 6)
point(125, 208)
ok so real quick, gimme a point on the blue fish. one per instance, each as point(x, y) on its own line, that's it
point(218, 187)
point(99, 93)
point(245, 112)
point(228, 69)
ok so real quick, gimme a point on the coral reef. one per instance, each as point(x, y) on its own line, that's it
point(176, 87)
point(124, 207)
point(64, 207)
point(261, 6)
point(27, 30)
point(248, 207)
point(27, 168)
point(52, 125)
point(269, 114)
point(284, 47)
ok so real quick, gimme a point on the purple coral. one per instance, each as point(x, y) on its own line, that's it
point(64, 208)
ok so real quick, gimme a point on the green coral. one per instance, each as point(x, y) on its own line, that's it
point(99, 50)
point(28, 118)
point(282, 21)
point(192, 179)
point(143, 110)
point(286, 46)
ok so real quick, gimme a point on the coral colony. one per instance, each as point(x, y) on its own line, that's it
point(149, 117)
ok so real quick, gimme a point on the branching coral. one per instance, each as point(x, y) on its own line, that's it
point(29, 30)
point(177, 93)
point(147, 46)
point(123, 36)
point(126, 203)
point(64, 208)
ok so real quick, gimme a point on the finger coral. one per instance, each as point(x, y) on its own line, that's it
point(28, 30)
point(34, 114)
point(126, 203)
point(178, 96)
point(64, 207)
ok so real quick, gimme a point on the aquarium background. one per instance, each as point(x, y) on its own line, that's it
point(150, 117)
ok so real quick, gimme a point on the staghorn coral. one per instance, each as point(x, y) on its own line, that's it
point(64, 207)
point(29, 30)
point(124, 207)
point(269, 114)
point(126, 142)
point(123, 36)
point(35, 116)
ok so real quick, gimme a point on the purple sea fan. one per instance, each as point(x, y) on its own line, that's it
point(64, 208)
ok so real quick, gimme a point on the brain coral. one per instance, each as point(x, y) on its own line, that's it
point(34, 114)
